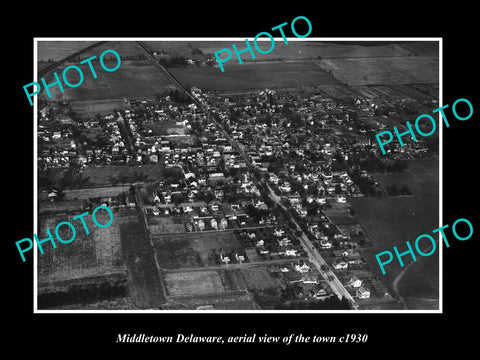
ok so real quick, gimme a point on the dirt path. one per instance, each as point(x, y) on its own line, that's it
point(399, 277)
point(395, 285)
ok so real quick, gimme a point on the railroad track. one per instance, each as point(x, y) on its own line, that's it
point(166, 73)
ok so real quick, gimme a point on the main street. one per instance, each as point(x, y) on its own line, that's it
point(315, 256)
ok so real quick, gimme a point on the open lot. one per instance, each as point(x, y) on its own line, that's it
point(108, 175)
point(259, 278)
point(193, 249)
point(254, 75)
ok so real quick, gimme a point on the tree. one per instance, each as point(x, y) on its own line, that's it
point(208, 197)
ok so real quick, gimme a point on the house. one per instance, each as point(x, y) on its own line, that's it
point(306, 279)
point(285, 187)
point(215, 177)
point(291, 252)
point(262, 251)
point(189, 226)
point(224, 258)
point(131, 200)
point(319, 235)
point(239, 258)
point(223, 223)
point(319, 293)
point(355, 282)
point(201, 225)
point(214, 223)
point(340, 264)
point(284, 269)
point(326, 244)
point(260, 242)
point(284, 242)
point(363, 293)
point(302, 267)
point(278, 232)
point(341, 253)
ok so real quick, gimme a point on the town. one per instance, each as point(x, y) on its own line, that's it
point(223, 202)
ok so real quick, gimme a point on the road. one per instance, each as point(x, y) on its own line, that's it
point(244, 265)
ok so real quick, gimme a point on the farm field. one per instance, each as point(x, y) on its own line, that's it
point(134, 78)
point(58, 50)
point(254, 75)
point(420, 48)
point(390, 221)
point(95, 254)
point(178, 47)
point(383, 71)
point(298, 49)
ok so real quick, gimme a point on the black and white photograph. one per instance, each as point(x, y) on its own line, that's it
point(262, 187)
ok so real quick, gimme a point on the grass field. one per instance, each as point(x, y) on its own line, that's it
point(391, 221)
point(134, 78)
point(254, 75)
point(384, 70)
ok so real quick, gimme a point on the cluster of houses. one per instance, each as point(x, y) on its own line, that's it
point(309, 176)
point(63, 142)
